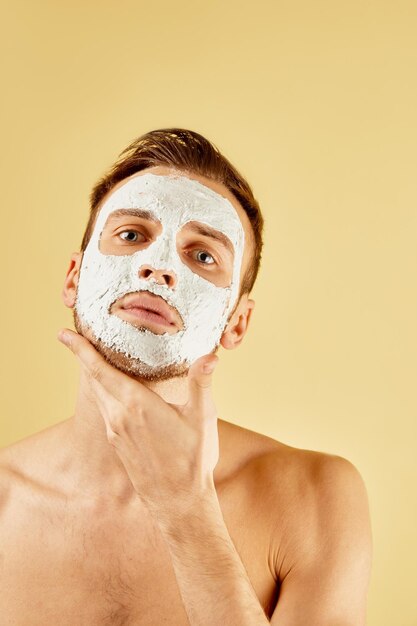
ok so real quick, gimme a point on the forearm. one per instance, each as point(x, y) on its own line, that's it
point(212, 580)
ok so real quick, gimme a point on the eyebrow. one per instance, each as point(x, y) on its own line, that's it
point(147, 215)
point(198, 227)
point(207, 231)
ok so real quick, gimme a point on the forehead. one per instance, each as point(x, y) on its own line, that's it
point(174, 200)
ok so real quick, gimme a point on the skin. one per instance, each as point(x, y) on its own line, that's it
point(219, 273)
point(145, 507)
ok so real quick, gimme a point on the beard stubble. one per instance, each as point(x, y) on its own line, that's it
point(131, 366)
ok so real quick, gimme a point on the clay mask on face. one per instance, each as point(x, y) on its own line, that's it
point(104, 278)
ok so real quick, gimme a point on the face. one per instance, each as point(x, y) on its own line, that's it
point(161, 273)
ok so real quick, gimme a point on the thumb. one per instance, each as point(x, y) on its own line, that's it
point(199, 383)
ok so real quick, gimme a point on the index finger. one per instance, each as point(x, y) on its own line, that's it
point(113, 380)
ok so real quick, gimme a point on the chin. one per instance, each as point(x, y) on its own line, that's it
point(130, 365)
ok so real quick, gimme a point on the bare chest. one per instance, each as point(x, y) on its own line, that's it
point(59, 567)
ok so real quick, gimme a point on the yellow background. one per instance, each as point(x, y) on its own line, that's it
point(315, 102)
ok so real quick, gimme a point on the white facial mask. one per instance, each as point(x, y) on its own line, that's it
point(203, 307)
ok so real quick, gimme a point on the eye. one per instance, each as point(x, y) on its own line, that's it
point(203, 257)
point(131, 235)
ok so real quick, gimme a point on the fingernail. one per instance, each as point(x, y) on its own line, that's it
point(63, 336)
point(209, 367)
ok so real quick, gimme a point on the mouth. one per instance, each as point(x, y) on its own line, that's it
point(150, 311)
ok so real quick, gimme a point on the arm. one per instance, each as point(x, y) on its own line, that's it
point(212, 580)
point(169, 453)
point(327, 582)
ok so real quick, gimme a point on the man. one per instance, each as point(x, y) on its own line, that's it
point(145, 508)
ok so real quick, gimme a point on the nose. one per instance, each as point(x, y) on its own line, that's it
point(162, 277)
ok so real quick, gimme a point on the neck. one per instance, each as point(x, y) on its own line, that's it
point(95, 464)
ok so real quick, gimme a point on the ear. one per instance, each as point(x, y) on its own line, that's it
point(71, 281)
point(238, 323)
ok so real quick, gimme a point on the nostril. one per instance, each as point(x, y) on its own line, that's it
point(169, 280)
point(160, 276)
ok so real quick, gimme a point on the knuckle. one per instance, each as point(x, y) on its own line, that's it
point(95, 372)
point(130, 403)
point(133, 408)
point(118, 422)
point(112, 436)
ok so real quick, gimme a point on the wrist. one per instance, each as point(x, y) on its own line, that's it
point(190, 511)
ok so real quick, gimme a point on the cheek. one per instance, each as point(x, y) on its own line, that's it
point(219, 273)
point(212, 273)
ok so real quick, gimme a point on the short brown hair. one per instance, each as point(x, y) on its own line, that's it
point(184, 150)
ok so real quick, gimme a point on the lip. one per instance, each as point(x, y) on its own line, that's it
point(151, 308)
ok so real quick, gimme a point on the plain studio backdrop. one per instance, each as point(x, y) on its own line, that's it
point(315, 103)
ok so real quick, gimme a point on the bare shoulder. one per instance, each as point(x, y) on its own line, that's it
point(26, 465)
point(310, 498)
point(309, 472)
point(12, 463)
point(321, 539)
point(326, 499)
point(11, 483)
point(317, 477)
point(318, 491)
point(6, 481)
point(16, 458)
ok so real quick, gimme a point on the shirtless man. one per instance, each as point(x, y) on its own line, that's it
point(144, 508)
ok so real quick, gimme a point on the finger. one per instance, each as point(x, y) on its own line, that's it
point(107, 404)
point(110, 378)
point(199, 384)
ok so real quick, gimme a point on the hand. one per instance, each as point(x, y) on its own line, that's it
point(169, 451)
